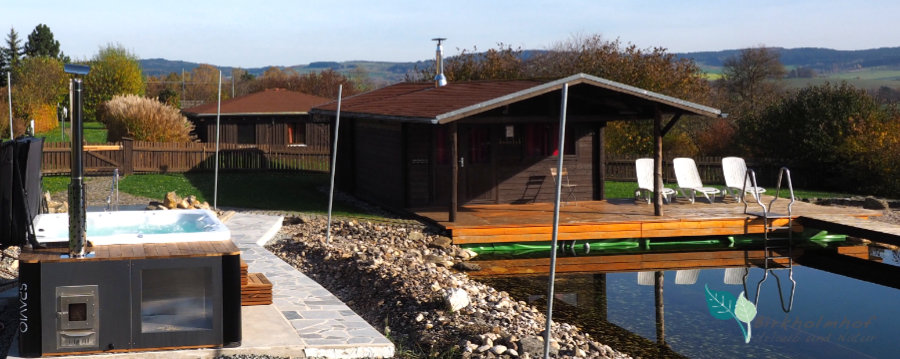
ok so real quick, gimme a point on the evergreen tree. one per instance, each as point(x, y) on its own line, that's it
point(13, 51)
point(41, 43)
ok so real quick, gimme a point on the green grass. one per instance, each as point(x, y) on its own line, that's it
point(296, 192)
point(94, 132)
point(55, 184)
point(615, 189)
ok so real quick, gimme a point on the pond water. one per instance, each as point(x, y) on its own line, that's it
point(832, 316)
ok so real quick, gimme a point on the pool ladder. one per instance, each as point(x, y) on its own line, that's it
point(113, 191)
point(776, 245)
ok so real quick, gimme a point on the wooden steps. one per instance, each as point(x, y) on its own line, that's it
point(256, 289)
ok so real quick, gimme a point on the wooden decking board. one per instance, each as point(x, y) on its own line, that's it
point(652, 261)
point(620, 218)
point(876, 231)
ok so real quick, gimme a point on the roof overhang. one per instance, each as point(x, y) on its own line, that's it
point(674, 105)
point(245, 114)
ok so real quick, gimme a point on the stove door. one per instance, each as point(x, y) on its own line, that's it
point(77, 320)
point(177, 302)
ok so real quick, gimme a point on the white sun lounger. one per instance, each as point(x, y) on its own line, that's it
point(689, 180)
point(644, 172)
point(735, 171)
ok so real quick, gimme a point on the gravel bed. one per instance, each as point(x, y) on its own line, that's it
point(404, 280)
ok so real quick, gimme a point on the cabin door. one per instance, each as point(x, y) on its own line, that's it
point(476, 172)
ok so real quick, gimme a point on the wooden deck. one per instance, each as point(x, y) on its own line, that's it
point(620, 218)
point(643, 262)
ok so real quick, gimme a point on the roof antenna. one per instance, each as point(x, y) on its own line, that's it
point(439, 79)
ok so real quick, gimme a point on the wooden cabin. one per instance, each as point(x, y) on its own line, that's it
point(401, 145)
point(270, 117)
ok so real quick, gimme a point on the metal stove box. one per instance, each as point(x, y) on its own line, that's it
point(133, 303)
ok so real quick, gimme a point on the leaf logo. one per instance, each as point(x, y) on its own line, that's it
point(722, 305)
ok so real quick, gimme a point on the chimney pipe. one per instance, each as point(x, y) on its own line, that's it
point(77, 235)
point(439, 79)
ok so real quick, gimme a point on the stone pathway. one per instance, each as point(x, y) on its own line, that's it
point(327, 327)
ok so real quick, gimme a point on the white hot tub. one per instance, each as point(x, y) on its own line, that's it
point(132, 227)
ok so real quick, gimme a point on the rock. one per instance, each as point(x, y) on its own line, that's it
point(483, 348)
point(467, 266)
point(512, 352)
point(171, 201)
point(204, 205)
point(580, 353)
point(192, 201)
point(456, 299)
point(441, 243)
point(498, 349)
point(875, 203)
point(184, 204)
point(416, 236)
point(420, 317)
point(431, 258)
point(533, 345)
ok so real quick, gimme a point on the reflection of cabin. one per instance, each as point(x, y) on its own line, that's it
point(396, 143)
point(270, 117)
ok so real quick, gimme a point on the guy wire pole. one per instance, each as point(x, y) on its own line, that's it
point(559, 168)
point(9, 97)
point(218, 115)
point(337, 125)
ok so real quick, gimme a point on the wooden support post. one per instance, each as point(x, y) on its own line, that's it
point(127, 156)
point(658, 163)
point(599, 167)
point(454, 173)
point(660, 309)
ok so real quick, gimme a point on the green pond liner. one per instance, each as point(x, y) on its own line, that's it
point(601, 246)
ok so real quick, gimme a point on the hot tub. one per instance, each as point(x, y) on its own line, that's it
point(133, 227)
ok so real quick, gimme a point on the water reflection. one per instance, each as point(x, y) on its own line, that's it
point(833, 316)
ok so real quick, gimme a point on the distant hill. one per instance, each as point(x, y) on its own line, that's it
point(819, 59)
point(379, 71)
point(884, 62)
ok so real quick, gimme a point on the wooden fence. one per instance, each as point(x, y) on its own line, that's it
point(155, 157)
point(621, 168)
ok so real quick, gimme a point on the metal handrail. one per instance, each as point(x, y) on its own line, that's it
point(781, 173)
point(114, 189)
point(751, 175)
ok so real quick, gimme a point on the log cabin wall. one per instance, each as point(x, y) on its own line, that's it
point(378, 167)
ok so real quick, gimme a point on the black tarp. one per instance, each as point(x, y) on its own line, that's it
point(20, 189)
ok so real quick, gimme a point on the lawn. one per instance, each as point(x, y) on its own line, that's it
point(289, 191)
point(616, 189)
point(94, 132)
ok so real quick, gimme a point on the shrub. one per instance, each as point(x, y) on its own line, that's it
point(144, 119)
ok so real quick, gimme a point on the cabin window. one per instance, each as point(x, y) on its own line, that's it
point(246, 133)
point(542, 139)
point(297, 133)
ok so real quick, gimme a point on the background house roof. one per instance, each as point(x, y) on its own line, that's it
point(423, 102)
point(269, 102)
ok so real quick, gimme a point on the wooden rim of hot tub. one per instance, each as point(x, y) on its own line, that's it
point(134, 251)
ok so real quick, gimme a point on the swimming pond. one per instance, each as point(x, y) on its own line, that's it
point(832, 316)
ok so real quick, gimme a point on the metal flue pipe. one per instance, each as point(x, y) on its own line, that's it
point(439, 78)
point(77, 235)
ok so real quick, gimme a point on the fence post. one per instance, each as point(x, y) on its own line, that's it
point(127, 156)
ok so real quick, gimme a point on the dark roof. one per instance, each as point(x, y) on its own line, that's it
point(269, 102)
point(423, 102)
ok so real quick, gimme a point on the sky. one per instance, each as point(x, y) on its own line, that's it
point(261, 33)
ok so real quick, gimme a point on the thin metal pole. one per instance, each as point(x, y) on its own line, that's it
point(218, 115)
point(9, 98)
point(337, 125)
point(559, 168)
